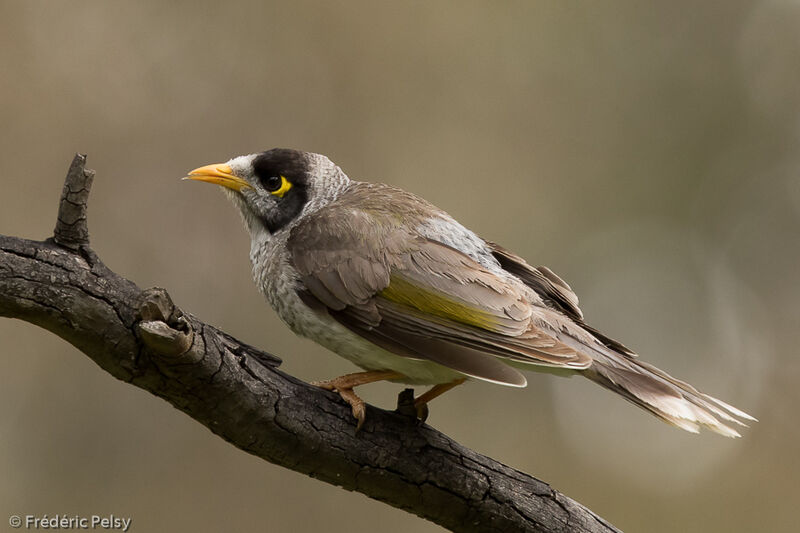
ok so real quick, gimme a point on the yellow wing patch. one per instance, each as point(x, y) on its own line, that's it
point(284, 188)
point(404, 292)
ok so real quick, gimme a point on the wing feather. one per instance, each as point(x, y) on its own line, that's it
point(418, 297)
point(554, 291)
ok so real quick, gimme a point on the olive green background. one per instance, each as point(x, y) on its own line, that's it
point(649, 153)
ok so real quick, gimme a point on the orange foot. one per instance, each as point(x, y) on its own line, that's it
point(344, 386)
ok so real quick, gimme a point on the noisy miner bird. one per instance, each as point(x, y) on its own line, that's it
point(400, 288)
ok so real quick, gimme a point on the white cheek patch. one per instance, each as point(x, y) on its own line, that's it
point(242, 166)
point(251, 223)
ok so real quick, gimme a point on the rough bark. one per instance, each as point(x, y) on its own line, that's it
point(237, 391)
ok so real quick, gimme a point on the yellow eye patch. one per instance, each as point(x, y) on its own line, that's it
point(283, 189)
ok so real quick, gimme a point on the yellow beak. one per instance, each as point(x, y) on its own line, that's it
point(219, 174)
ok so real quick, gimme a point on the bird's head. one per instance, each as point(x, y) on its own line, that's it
point(274, 188)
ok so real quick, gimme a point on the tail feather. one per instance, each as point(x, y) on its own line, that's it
point(672, 400)
point(733, 410)
point(721, 409)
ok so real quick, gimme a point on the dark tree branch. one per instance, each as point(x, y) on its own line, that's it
point(237, 391)
point(71, 230)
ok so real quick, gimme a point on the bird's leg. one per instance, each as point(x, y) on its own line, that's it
point(348, 381)
point(344, 386)
point(421, 402)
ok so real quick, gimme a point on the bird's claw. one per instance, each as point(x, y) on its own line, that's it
point(327, 384)
point(344, 386)
point(357, 405)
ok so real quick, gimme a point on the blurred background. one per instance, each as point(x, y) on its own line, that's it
point(649, 154)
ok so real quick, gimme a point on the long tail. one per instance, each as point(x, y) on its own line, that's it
point(672, 400)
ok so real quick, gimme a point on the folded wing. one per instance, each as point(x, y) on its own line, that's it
point(419, 298)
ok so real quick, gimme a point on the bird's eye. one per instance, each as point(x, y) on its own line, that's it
point(276, 185)
point(272, 183)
